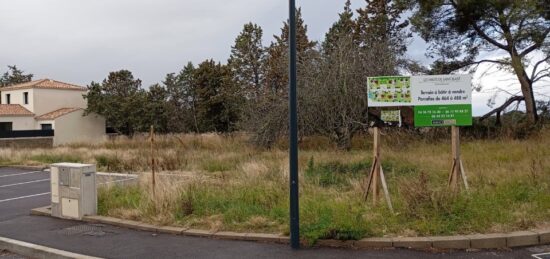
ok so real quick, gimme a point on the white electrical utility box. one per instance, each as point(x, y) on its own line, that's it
point(73, 188)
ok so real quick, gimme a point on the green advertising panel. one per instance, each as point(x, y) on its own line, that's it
point(443, 115)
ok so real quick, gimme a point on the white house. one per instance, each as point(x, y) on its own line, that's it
point(50, 105)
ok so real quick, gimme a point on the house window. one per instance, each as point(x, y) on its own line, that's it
point(26, 97)
point(8, 98)
point(5, 126)
point(46, 126)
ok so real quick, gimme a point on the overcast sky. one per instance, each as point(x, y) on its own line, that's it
point(81, 41)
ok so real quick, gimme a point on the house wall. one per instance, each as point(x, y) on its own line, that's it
point(20, 123)
point(49, 100)
point(16, 97)
point(75, 128)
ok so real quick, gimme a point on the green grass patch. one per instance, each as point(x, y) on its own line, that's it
point(119, 197)
point(218, 165)
point(335, 173)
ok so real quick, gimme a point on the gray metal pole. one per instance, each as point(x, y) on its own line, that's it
point(293, 134)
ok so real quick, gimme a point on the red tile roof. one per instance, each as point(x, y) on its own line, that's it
point(14, 110)
point(57, 113)
point(44, 84)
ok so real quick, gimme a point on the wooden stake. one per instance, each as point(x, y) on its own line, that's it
point(385, 188)
point(376, 174)
point(457, 170)
point(464, 178)
point(153, 162)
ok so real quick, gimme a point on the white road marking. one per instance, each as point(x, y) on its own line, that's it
point(538, 256)
point(34, 250)
point(24, 197)
point(14, 184)
point(8, 175)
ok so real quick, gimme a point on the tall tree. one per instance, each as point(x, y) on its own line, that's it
point(174, 103)
point(460, 31)
point(181, 98)
point(333, 99)
point(14, 76)
point(216, 101)
point(186, 77)
point(380, 21)
point(157, 112)
point(344, 27)
point(246, 60)
point(277, 54)
point(121, 100)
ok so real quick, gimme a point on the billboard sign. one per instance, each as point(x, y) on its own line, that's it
point(438, 100)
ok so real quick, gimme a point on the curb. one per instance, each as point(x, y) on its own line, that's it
point(37, 251)
point(42, 211)
point(131, 224)
point(458, 242)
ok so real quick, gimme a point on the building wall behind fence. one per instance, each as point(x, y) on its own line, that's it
point(76, 128)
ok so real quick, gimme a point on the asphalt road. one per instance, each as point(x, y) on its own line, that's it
point(22, 190)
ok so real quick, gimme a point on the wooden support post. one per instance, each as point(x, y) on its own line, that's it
point(457, 170)
point(385, 188)
point(376, 174)
point(153, 162)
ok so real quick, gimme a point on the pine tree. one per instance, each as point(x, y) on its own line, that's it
point(303, 43)
point(157, 110)
point(380, 23)
point(246, 61)
point(175, 103)
point(277, 54)
point(344, 27)
point(14, 76)
point(216, 103)
point(186, 79)
point(120, 99)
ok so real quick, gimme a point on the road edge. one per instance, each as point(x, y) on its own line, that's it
point(38, 251)
point(515, 239)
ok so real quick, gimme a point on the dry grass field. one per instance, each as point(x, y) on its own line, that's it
point(222, 182)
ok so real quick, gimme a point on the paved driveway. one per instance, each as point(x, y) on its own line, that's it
point(22, 190)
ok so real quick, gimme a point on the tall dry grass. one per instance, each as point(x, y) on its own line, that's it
point(221, 182)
